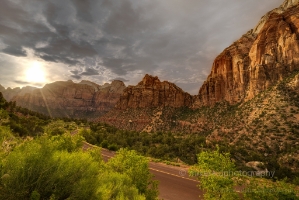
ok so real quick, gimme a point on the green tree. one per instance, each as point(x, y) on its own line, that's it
point(214, 171)
point(136, 167)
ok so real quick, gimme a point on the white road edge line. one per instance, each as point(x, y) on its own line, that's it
point(164, 172)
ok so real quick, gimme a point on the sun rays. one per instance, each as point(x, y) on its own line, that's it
point(35, 73)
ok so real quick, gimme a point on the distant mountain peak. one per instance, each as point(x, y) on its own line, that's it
point(149, 80)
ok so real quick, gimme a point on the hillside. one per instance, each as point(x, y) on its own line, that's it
point(249, 103)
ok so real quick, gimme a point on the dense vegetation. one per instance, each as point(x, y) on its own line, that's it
point(219, 179)
point(42, 160)
point(167, 146)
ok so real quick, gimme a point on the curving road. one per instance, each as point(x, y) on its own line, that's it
point(174, 182)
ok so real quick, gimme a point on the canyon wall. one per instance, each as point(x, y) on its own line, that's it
point(151, 92)
point(257, 61)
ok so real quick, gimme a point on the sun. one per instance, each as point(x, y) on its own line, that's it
point(35, 73)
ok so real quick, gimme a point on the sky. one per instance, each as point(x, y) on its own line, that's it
point(103, 40)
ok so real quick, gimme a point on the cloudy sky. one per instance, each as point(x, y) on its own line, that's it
point(102, 40)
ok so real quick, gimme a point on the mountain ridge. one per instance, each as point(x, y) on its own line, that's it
point(68, 99)
point(262, 57)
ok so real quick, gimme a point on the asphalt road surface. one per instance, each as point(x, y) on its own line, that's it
point(174, 182)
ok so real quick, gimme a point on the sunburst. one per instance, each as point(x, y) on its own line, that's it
point(35, 73)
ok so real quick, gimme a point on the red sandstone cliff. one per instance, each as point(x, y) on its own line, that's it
point(151, 92)
point(258, 60)
point(69, 99)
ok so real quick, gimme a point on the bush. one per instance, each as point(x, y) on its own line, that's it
point(44, 167)
point(56, 168)
point(112, 147)
point(104, 144)
point(208, 170)
point(136, 167)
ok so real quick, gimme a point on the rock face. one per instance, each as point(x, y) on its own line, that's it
point(69, 99)
point(151, 92)
point(229, 76)
point(258, 60)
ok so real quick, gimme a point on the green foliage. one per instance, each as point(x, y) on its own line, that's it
point(217, 176)
point(166, 146)
point(104, 144)
point(49, 167)
point(112, 147)
point(3, 102)
point(257, 190)
point(56, 168)
point(215, 161)
point(35, 195)
point(136, 168)
point(214, 171)
point(7, 141)
point(119, 187)
point(21, 125)
point(53, 165)
point(56, 128)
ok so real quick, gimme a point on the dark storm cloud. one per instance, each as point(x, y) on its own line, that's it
point(173, 39)
point(83, 10)
point(76, 77)
point(15, 51)
point(89, 72)
point(75, 72)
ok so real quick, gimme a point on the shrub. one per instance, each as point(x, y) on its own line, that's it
point(43, 168)
point(136, 167)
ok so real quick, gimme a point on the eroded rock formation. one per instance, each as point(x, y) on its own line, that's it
point(151, 92)
point(258, 60)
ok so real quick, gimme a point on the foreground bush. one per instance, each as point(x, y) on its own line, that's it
point(56, 168)
point(136, 168)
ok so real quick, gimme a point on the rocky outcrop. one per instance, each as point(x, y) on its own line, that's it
point(229, 77)
point(69, 99)
point(275, 52)
point(257, 61)
point(151, 93)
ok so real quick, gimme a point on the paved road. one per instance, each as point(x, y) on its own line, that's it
point(174, 183)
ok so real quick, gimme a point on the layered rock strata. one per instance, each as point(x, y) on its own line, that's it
point(258, 60)
point(151, 93)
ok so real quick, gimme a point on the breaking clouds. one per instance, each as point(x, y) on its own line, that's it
point(104, 40)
